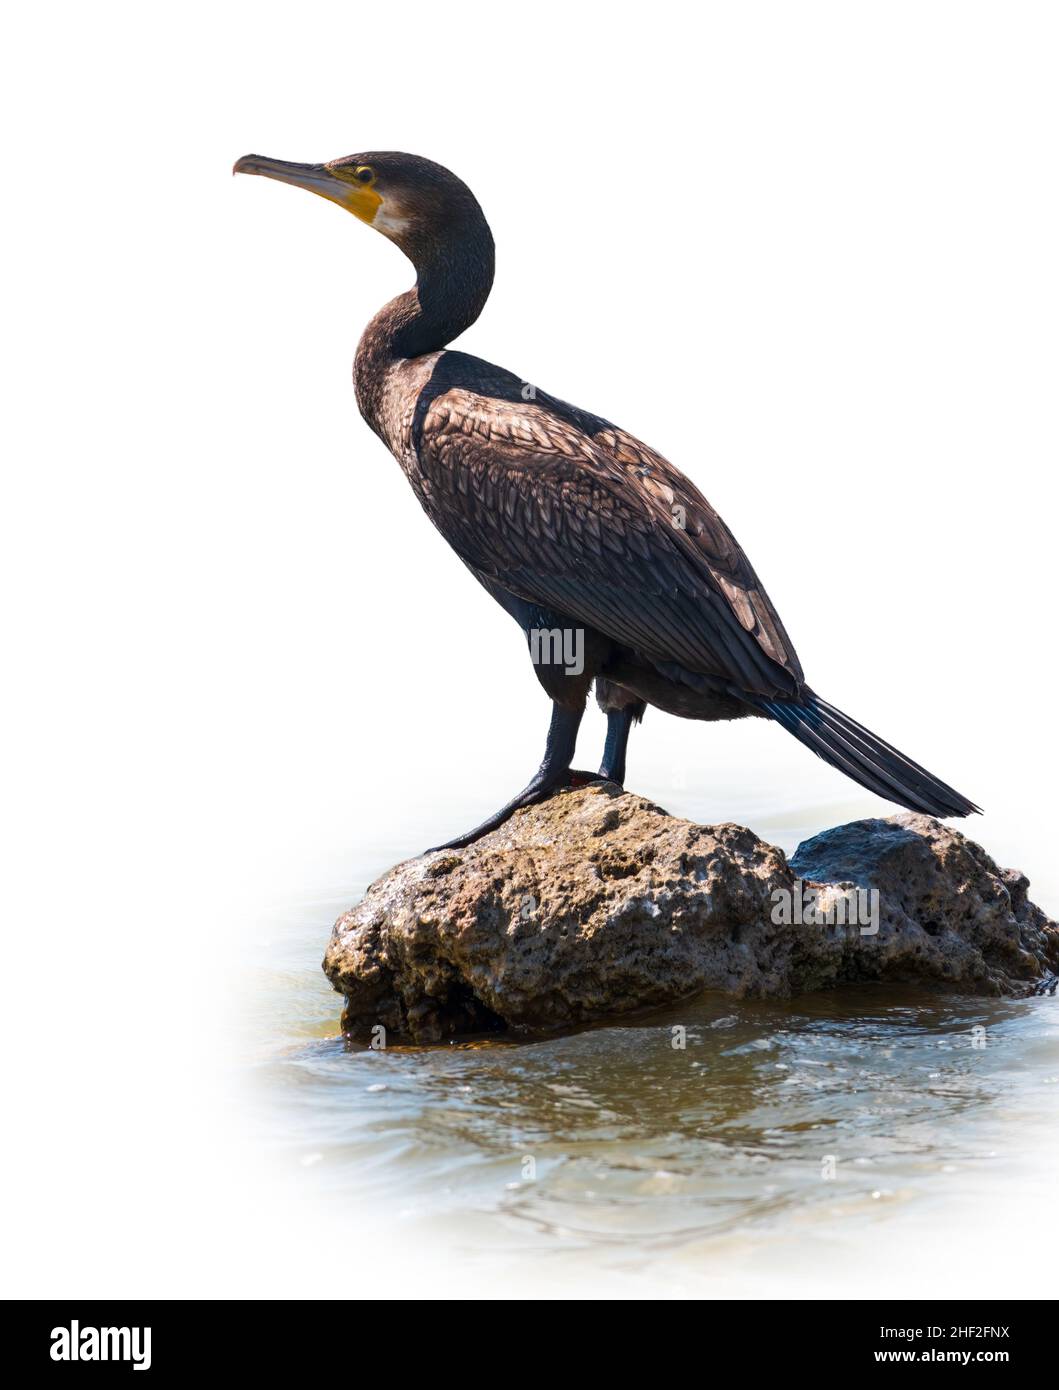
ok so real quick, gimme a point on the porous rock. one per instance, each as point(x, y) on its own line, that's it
point(598, 903)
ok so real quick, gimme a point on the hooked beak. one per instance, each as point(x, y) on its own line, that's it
point(318, 179)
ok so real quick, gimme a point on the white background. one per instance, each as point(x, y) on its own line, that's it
point(807, 251)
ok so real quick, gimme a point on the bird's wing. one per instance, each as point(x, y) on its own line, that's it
point(713, 542)
point(534, 497)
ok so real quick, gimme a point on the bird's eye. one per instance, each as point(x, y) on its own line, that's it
point(364, 174)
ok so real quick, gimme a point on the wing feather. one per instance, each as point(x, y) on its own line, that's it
point(593, 523)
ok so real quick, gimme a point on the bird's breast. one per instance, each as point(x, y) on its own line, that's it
point(393, 399)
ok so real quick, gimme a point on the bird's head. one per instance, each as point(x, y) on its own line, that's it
point(418, 204)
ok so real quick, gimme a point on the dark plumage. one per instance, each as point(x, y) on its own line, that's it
point(614, 564)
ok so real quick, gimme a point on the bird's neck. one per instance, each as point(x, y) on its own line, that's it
point(453, 281)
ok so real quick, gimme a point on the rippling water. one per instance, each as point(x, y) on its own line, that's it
point(871, 1138)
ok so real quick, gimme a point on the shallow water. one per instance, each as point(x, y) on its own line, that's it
point(869, 1139)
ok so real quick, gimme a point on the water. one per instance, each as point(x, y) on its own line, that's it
point(870, 1139)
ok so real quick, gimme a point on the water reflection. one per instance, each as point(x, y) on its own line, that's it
point(614, 1137)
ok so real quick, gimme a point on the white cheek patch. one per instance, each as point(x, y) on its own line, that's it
point(388, 219)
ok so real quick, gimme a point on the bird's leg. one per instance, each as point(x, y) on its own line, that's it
point(623, 709)
point(619, 725)
point(553, 773)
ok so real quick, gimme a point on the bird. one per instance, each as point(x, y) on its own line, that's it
point(620, 573)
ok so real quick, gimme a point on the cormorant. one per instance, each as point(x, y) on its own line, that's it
point(611, 561)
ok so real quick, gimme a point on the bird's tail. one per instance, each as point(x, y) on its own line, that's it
point(858, 753)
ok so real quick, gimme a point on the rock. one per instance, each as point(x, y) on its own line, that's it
point(598, 903)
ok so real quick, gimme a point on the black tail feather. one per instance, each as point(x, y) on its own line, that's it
point(869, 760)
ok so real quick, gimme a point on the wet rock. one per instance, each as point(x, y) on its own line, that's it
point(599, 903)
